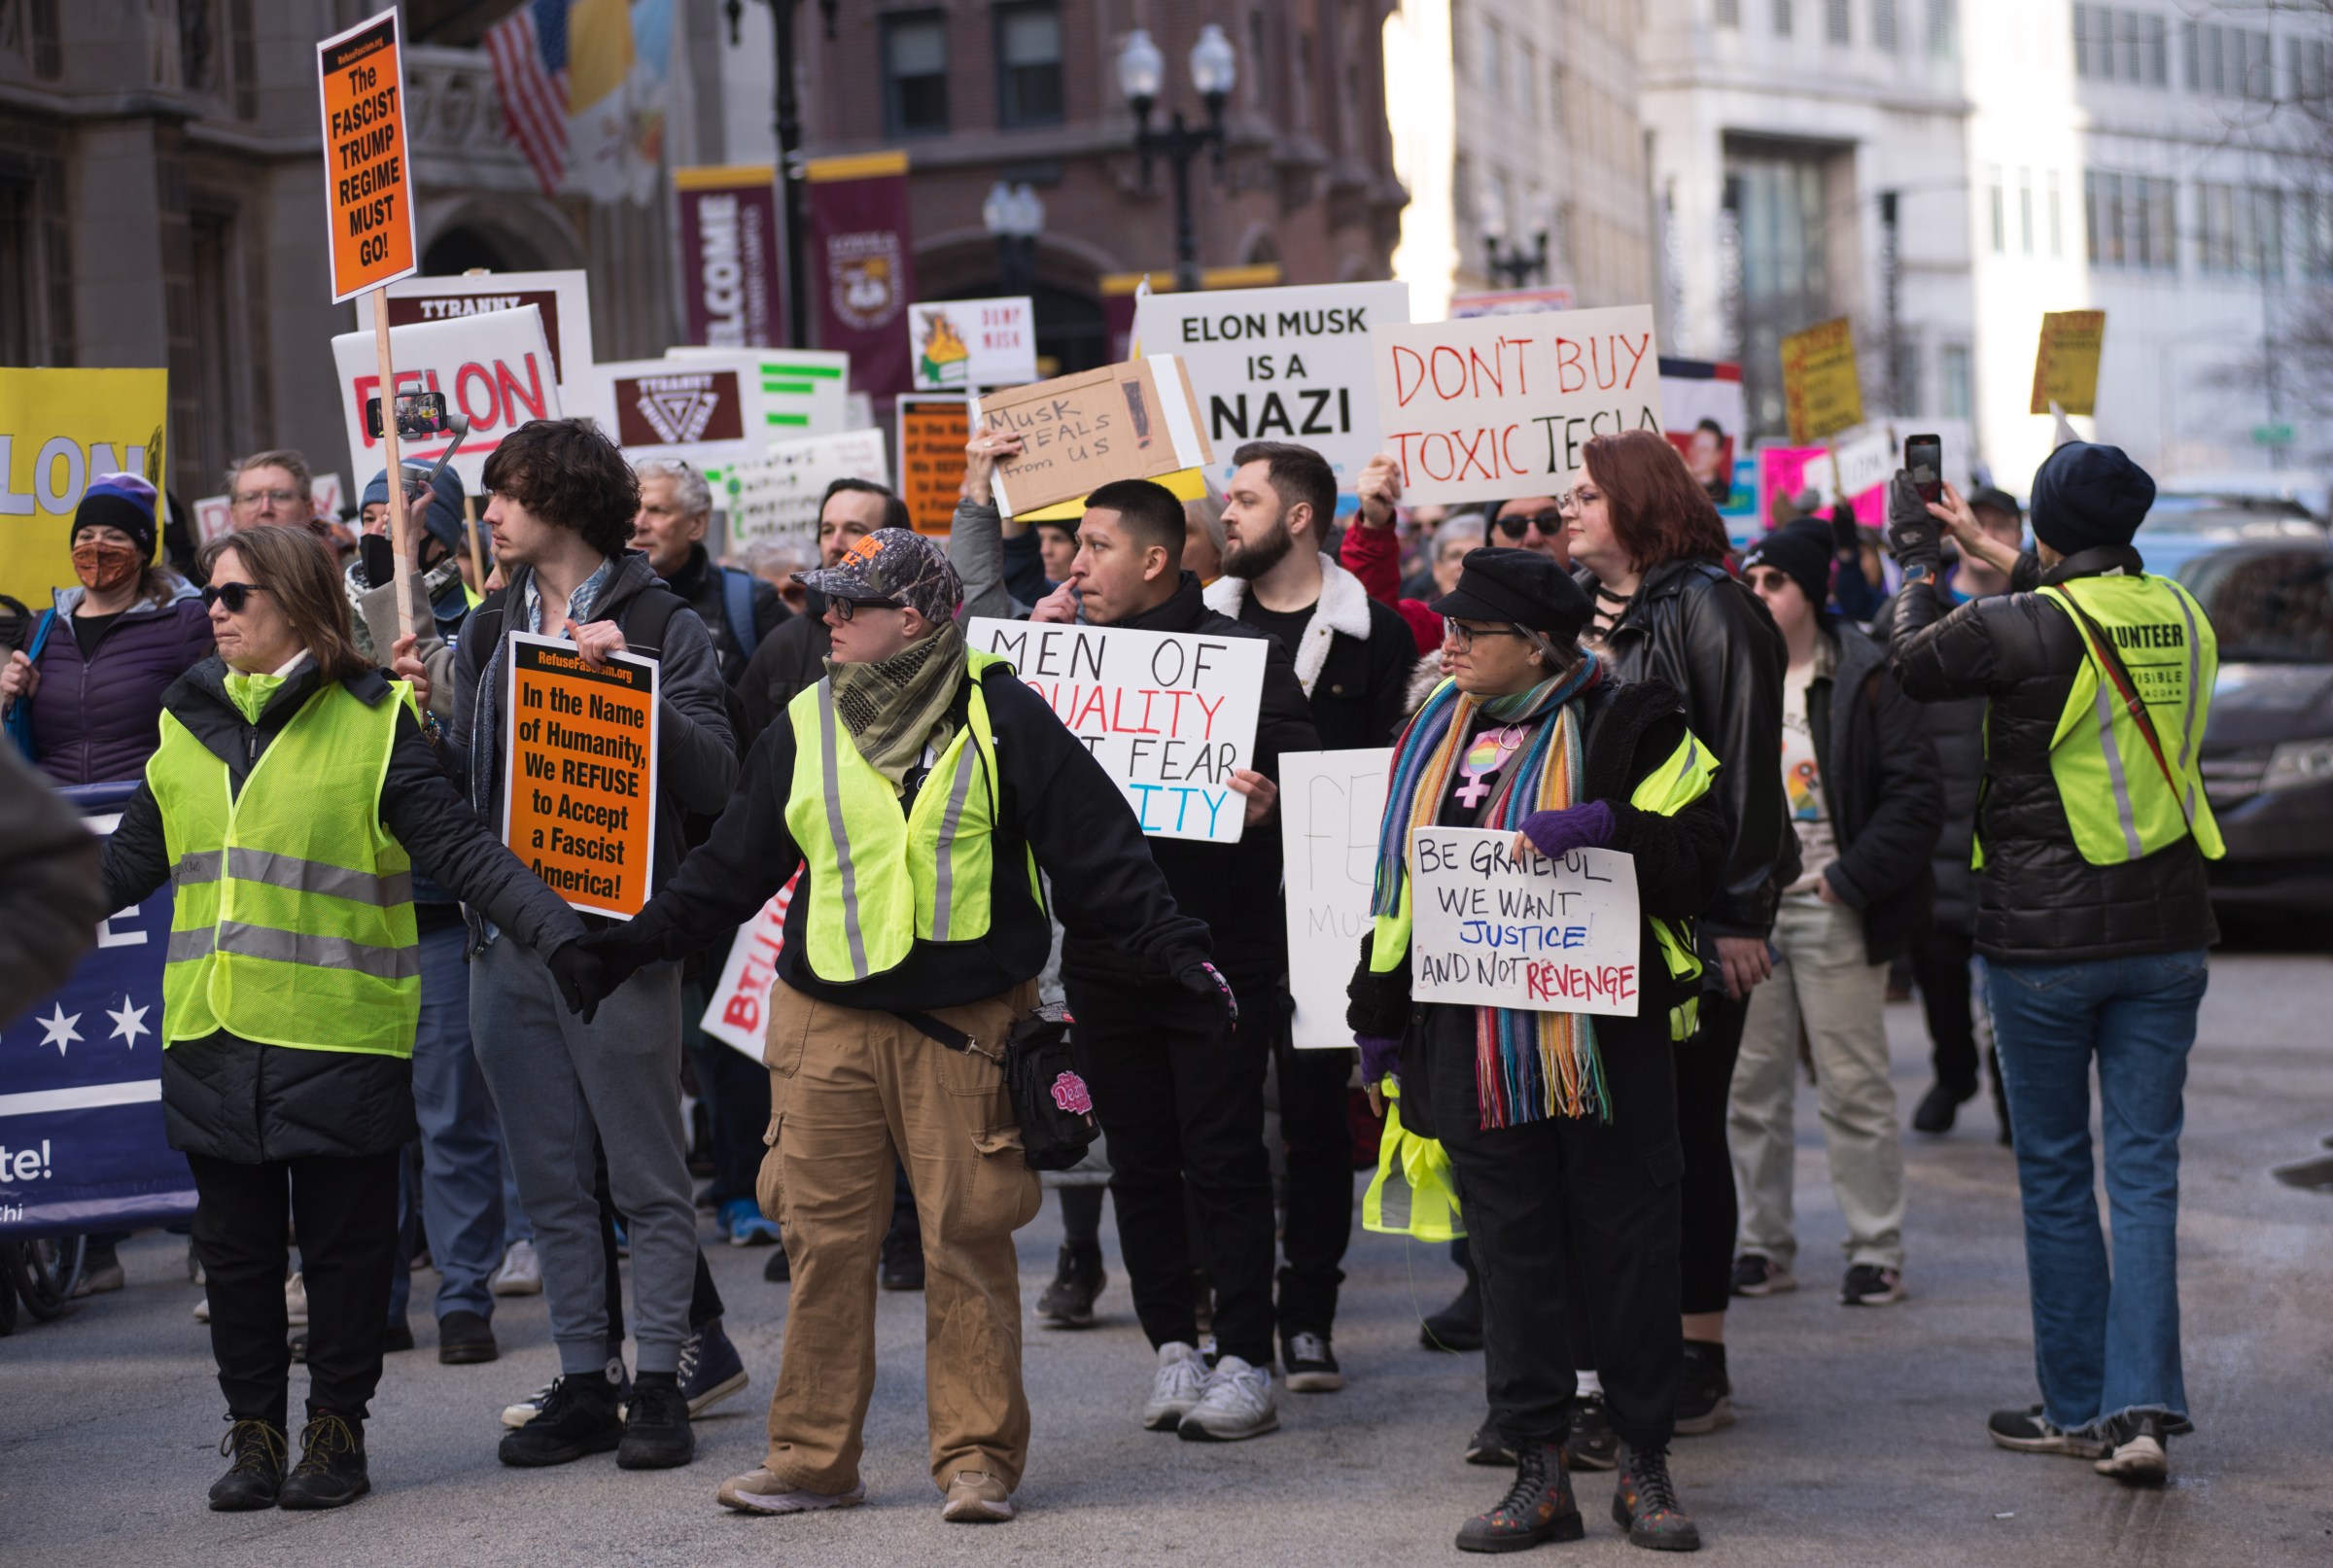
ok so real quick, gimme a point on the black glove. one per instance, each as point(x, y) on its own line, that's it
point(1846, 537)
point(583, 980)
point(1206, 980)
point(1914, 535)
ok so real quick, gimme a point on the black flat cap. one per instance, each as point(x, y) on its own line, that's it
point(1522, 586)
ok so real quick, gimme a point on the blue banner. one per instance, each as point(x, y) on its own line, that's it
point(82, 1146)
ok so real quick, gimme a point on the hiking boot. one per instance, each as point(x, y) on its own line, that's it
point(1704, 1393)
point(1644, 1503)
point(1538, 1507)
point(256, 1475)
point(758, 1491)
point(1457, 1325)
point(976, 1497)
point(902, 1265)
point(521, 1272)
point(710, 1369)
point(743, 1222)
point(2030, 1431)
point(1940, 1107)
point(330, 1472)
point(656, 1435)
point(1757, 1274)
point(1235, 1403)
point(1592, 1445)
point(1077, 1279)
point(1867, 1284)
point(1487, 1448)
point(1309, 1363)
point(1181, 1379)
point(464, 1338)
point(2138, 1457)
point(577, 1417)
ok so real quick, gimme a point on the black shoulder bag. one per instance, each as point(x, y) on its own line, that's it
point(1050, 1100)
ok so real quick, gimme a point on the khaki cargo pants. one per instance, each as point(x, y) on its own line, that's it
point(847, 1088)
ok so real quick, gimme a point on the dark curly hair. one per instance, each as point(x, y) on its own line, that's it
point(568, 473)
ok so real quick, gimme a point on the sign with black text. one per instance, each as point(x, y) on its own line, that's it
point(1332, 805)
point(580, 773)
point(1490, 928)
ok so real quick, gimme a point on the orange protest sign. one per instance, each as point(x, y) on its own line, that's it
point(367, 178)
point(579, 781)
point(933, 432)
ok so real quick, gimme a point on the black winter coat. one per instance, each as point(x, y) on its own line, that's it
point(2040, 902)
point(1354, 671)
point(790, 659)
point(233, 1099)
point(1956, 728)
point(699, 584)
point(1879, 782)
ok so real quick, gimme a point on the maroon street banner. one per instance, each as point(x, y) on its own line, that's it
point(862, 265)
point(729, 272)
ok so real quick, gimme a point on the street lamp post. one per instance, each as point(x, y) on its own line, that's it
point(1141, 71)
point(1518, 267)
point(1015, 216)
point(789, 148)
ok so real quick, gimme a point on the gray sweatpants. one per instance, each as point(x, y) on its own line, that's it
point(557, 1080)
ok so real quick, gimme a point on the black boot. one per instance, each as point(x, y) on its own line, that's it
point(1704, 1393)
point(1077, 1279)
point(1940, 1107)
point(903, 1258)
point(330, 1472)
point(257, 1475)
point(578, 1418)
point(1538, 1507)
point(1645, 1504)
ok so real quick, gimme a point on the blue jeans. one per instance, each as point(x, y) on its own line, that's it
point(2104, 1342)
point(462, 1210)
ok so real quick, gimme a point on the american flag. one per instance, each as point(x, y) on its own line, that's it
point(529, 51)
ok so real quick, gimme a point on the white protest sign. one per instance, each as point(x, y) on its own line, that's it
point(326, 492)
point(1501, 405)
point(957, 345)
point(214, 518)
point(1169, 716)
point(781, 496)
point(496, 370)
point(1332, 804)
point(562, 297)
point(1281, 364)
point(1490, 930)
point(787, 392)
point(740, 1004)
point(1864, 459)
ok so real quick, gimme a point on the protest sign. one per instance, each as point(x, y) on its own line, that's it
point(1170, 717)
point(1501, 405)
point(580, 773)
point(1822, 392)
point(496, 370)
point(367, 184)
point(692, 408)
point(58, 430)
point(781, 496)
point(562, 299)
point(81, 1142)
point(1131, 421)
point(726, 228)
point(2066, 362)
point(1290, 365)
point(1490, 929)
point(1510, 301)
point(959, 345)
point(740, 1004)
point(214, 518)
point(784, 391)
point(329, 497)
point(1706, 419)
point(1332, 804)
point(933, 432)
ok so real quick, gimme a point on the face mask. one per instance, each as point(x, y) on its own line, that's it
point(379, 557)
point(103, 567)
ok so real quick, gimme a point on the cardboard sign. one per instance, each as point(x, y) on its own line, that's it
point(1822, 392)
point(779, 496)
point(1501, 405)
point(59, 429)
point(1286, 364)
point(1131, 421)
point(959, 345)
point(933, 432)
point(2065, 363)
point(740, 1004)
point(580, 773)
point(1332, 805)
point(1168, 715)
point(787, 392)
point(1492, 931)
point(562, 299)
point(367, 178)
point(496, 370)
point(1510, 301)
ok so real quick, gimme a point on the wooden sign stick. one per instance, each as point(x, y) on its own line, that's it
point(403, 562)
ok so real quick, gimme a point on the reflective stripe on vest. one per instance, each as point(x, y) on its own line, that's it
point(1411, 1194)
point(2118, 804)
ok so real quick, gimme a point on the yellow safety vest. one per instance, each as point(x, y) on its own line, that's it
point(1411, 1194)
point(879, 880)
point(2117, 800)
point(292, 913)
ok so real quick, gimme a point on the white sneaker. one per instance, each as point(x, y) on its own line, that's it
point(521, 1272)
point(1235, 1403)
point(295, 1300)
point(202, 1311)
point(1182, 1377)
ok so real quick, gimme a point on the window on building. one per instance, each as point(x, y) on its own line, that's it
point(1494, 59)
point(1774, 204)
point(1728, 13)
point(1462, 191)
point(2024, 211)
point(1781, 18)
point(915, 73)
point(2132, 221)
point(1943, 27)
point(1028, 63)
point(2229, 62)
point(2000, 212)
point(2117, 44)
point(2313, 234)
point(1458, 51)
point(2240, 231)
point(1955, 394)
point(1883, 24)
point(1526, 84)
point(2308, 58)
point(1836, 24)
point(2057, 230)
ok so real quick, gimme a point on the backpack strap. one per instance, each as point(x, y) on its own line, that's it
point(647, 618)
point(737, 607)
point(2102, 648)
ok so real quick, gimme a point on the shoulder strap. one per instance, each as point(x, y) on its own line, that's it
point(737, 607)
point(931, 1029)
point(2102, 648)
point(647, 618)
point(40, 633)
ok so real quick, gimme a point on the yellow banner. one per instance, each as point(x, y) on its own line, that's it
point(1821, 391)
point(2065, 363)
point(59, 429)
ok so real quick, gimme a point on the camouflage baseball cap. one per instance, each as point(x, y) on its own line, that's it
point(892, 566)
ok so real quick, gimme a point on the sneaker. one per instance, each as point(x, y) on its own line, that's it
point(1457, 1325)
point(1592, 1443)
point(1940, 1107)
point(741, 1221)
point(1077, 1279)
point(1487, 1448)
point(330, 1472)
point(656, 1434)
point(2138, 1457)
point(1867, 1284)
point(1757, 1274)
point(256, 1475)
point(1538, 1507)
point(710, 1369)
point(778, 1270)
point(1181, 1378)
point(526, 1410)
point(758, 1491)
point(202, 1311)
point(100, 1272)
point(976, 1497)
point(1704, 1393)
point(902, 1265)
point(2029, 1431)
point(1234, 1404)
point(521, 1272)
point(464, 1338)
point(1645, 1504)
point(295, 1300)
point(1310, 1365)
point(577, 1417)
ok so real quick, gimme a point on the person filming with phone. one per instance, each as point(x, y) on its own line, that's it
point(2092, 834)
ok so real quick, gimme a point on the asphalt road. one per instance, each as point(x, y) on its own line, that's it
point(1860, 1439)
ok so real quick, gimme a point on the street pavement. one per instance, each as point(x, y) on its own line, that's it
point(1861, 1438)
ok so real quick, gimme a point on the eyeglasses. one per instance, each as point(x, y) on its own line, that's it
point(1546, 522)
point(233, 595)
point(845, 608)
point(1463, 636)
point(256, 498)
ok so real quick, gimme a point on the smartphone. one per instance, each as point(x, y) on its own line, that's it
point(418, 414)
point(1923, 461)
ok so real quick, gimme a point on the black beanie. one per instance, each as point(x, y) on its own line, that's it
point(123, 500)
point(1801, 551)
point(2087, 495)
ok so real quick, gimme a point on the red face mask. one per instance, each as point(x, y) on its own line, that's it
point(103, 566)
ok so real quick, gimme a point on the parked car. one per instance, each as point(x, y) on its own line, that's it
point(2182, 528)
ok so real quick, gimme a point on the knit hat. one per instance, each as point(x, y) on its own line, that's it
point(1800, 551)
point(123, 500)
point(896, 567)
point(1519, 586)
point(442, 517)
point(2086, 495)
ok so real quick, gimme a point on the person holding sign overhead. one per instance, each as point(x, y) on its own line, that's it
point(1561, 1130)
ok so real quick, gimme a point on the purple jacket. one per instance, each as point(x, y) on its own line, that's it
point(101, 720)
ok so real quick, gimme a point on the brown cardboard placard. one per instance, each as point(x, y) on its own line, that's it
point(1133, 421)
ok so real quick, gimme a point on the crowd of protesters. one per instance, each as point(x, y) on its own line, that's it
point(438, 1056)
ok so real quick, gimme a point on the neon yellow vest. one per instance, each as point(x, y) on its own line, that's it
point(879, 880)
point(2117, 798)
point(291, 913)
point(1412, 1193)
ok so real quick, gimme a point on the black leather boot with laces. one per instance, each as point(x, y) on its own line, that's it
point(1645, 1504)
point(330, 1472)
point(258, 1448)
point(1538, 1507)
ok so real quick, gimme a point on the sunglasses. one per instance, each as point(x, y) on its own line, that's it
point(1546, 522)
point(845, 608)
point(233, 595)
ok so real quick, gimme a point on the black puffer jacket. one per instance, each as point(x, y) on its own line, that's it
point(790, 659)
point(2040, 902)
point(233, 1099)
point(1879, 782)
point(1956, 728)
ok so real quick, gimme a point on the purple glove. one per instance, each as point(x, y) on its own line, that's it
point(1586, 826)
point(1380, 1057)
